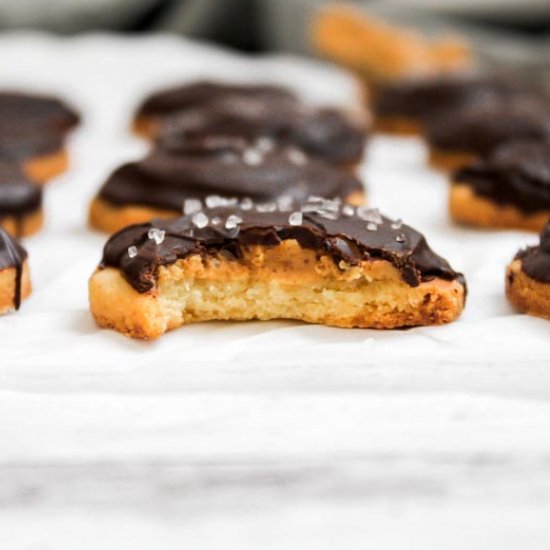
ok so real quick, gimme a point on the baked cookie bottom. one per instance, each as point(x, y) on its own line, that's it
point(23, 226)
point(525, 293)
point(110, 218)
point(8, 281)
point(44, 168)
point(449, 161)
point(468, 208)
point(282, 282)
point(398, 126)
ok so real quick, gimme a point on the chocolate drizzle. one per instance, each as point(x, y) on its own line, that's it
point(341, 231)
point(12, 255)
point(535, 260)
point(230, 167)
point(172, 100)
point(18, 195)
point(325, 133)
point(424, 99)
point(516, 174)
point(32, 125)
point(480, 131)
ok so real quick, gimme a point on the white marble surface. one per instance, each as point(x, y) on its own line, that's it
point(274, 435)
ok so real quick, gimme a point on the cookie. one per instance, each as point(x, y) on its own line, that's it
point(326, 263)
point(33, 130)
point(164, 104)
point(20, 201)
point(15, 283)
point(326, 133)
point(528, 278)
point(463, 136)
point(508, 189)
point(406, 107)
point(166, 184)
point(382, 52)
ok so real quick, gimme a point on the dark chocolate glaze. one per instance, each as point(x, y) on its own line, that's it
point(171, 100)
point(324, 132)
point(32, 125)
point(18, 195)
point(229, 167)
point(517, 173)
point(12, 255)
point(424, 99)
point(480, 131)
point(535, 260)
point(351, 238)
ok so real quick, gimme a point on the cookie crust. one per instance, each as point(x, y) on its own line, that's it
point(8, 282)
point(282, 282)
point(467, 207)
point(46, 167)
point(23, 226)
point(525, 293)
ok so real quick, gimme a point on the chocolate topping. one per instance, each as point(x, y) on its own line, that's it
point(480, 131)
point(327, 133)
point(345, 233)
point(424, 99)
point(517, 174)
point(535, 260)
point(229, 167)
point(18, 196)
point(32, 125)
point(12, 254)
point(172, 100)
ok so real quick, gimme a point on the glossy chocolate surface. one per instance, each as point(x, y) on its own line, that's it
point(516, 174)
point(230, 167)
point(345, 233)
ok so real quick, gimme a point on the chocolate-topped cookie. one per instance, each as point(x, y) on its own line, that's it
point(463, 136)
point(406, 107)
point(33, 129)
point(326, 133)
point(261, 170)
point(14, 273)
point(20, 201)
point(509, 188)
point(324, 262)
point(528, 278)
point(160, 106)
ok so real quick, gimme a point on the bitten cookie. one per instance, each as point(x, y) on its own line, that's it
point(406, 107)
point(164, 104)
point(325, 263)
point(33, 129)
point(20, 202)
point(509, 189)
point(327, 133)
point(528, 278)
point(199, 171)
point(464, 136)
point(15, 282)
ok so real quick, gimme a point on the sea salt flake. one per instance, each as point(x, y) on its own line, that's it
point(132, 251)
point(348, 210)
point(216, 220)
point(371, 215)
point(265, 143)
point(397, 224)
point(284, 204)
point(232, 221)
point(266, 207)
point(200, 219)
point(372, 226)
point(297, 157)
point(252, 157)
point(295, 218)
point(247, 204)
point(400, 238)
point(213, 201)
point(190, 206)
point(156, 235)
